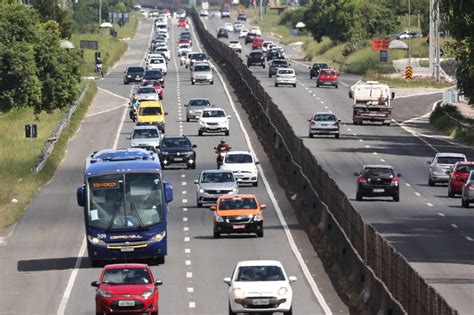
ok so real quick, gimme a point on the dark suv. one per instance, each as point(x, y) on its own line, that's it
point(242, 17)
point(222, 32)
point(256, 58)
point(277, 63)
point(377, 180)
point(314, 69)
point(249, 38)
point(177, 150)
point(133, 74)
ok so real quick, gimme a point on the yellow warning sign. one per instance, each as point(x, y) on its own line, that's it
point(409, 73)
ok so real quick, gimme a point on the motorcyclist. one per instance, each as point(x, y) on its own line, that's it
point(222, 147)
point(99, 67)
point(133, 107)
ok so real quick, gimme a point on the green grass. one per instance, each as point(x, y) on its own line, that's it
point(17, 159)
point(402, 83)
point(424, 63)
point(450, 127)
point(111, 48)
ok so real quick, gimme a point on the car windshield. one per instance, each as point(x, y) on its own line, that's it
point(156, 61)
point(279, 63)
point(256, 54)
point(260, 273)
point(145, 133)
point(214, 177)
point(199, 102)
point(184, 47)
point(125, 201)
point(135, 70)
point(213, 113)
point(324, 117)
point(202, 68)
point(378, 172)
point(465, 168)
point(320, 66)
point(328, 72)
point(126, 276)
point(450, 159)
point(153, 74)
point(234, 42)
point(175, 143)
point(200, 56)
point(149, 111)
point(285, 72)
point(146, 90)
point(237, 203)
point(238, 158)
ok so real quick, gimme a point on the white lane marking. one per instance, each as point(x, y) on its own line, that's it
point(289, 236)
point(417, 193)
point(185, 219)
point(188, 262)
point(326, 107)
point(408, 185)
point(310, 92)
point(105, 111)
point(343, 83)
point(184, 192)
point(382, 160)
point(183, 183)
point(348, 129)
point(454, 226)
point(354, 134)
point(367, 146)
point(187, 250)
point(192, 305)
point(185, 200)
point(314, 95)
point(113, 94)
point(186, 229)
point(374, 153)
point(322, 102)
point(361, 140)
point(429, 204)
point(186, 239)
point(318, 98)
point(185, 209)
point(183, 175)
point(469, 239)
point(441, 214)
point(72, 278)
point(306, 88)
point(190, 290)
point(189, 274)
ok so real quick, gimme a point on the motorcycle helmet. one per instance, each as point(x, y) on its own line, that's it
point(222, 141)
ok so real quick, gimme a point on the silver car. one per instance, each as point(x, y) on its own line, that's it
point(214, 183)
point(324, 123)
point(285, 76)
point(442, 165)
point(145, 137)
point(147, 93)
point(468, 191)
point(202, 72)
point(195, 106)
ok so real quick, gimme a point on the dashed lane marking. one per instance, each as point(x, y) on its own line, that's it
point(192, 305)
point(187, 250)
point(186, 228)
point(186, 239)
point(417, 193)
point(190, 290)
point(454, 226)
point(469, 239)
point(188, 262)
point(441, 214)
point(429, 204)
point(189, 274)
point(185, 219)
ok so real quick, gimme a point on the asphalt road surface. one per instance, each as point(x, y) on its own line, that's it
point(44, 268)
point(431, 230)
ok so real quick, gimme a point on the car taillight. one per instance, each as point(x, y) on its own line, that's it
point(335, 123)
point(395, 181)
point(362, 179)
point(313, 123)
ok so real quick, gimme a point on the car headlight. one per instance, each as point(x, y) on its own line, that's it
point(219, 219)
point(164, 153)
point(95, 241)
point(188, 152)
point(158, 237)
point(148, 293)
point(282, 291)
point(202, 190)
point(104, 293)
point(238, 293)
point(235, 189)
point(202, 123)
point(257, 218)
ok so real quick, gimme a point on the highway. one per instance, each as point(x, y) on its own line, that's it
point(431, 230)
point(44, 268)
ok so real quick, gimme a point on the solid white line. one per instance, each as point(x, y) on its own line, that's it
point(287, 231)
point(105, 111)
point(113, 94)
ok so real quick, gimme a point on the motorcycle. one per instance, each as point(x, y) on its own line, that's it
point(98, 70)
point(133, 112)
point(220, 156)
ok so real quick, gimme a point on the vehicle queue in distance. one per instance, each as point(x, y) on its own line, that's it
point(126, 211)
point(371, 103)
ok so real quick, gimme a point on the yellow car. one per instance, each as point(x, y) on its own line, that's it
point(151, 113)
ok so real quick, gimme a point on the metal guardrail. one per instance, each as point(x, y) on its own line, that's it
point(49, 143)
point(379, 274)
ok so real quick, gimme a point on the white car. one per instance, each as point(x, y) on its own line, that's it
point(256, 30)
point(285, 76)
point(184, 49)
point(258, 286)
point(213, 120)
point(266, 44)
point(243, 33)
point(243, 165)
point(235, 45)
point(157, 64)
point(163, 51)
point(229, 27)
point(204, 13)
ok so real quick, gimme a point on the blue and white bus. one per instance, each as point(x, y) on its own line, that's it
point(125, 203)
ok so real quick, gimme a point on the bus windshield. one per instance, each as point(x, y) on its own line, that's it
point(125, 201)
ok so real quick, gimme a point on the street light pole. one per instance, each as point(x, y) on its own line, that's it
point(409, 26)
point(100, 12)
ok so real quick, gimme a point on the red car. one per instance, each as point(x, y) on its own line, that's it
point(182, 22)
point(458, 177)
point(126, 288)
point(156, 85)
point(184, 41)
point(257, 43)
point(327, 77)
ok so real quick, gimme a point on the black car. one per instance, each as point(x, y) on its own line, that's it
point(256, 58)
point(377, 181)
point(249, 38)
point(154, 75)
point(185, 35)
point(197, 57)
point(177, 150)
point(314, 69)
point(222, 32)
point(133, 74)
point(277, 63)
point(242, 17)
point(274, 53)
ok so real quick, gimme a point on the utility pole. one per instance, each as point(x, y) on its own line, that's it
point(435, 62)
point(100, 12)
point(409, 30)
point(261, 10)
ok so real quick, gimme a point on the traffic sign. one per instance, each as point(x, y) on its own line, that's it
point(383, 56)
point(409, 73)
point(380, 44)
point(31, 131)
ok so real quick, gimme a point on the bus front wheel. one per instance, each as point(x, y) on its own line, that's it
point(160, 260)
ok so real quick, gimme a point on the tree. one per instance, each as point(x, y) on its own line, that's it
point(459, 18)
point(50, 10)
point(378, 17)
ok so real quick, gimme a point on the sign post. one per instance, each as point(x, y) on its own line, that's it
point(409, 73)
point(31, 131)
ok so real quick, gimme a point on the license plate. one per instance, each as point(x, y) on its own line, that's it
point(238, 227)
point(127, 249)
point(377, 190)
point(178, 159)
point(261, 302)
point(126, 303)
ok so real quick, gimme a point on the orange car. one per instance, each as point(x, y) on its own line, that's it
point(238, 214)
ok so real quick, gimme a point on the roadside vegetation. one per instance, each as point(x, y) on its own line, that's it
point(446, 119)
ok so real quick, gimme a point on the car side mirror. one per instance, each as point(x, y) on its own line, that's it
point(213, 208)
point(194, 146)
point(196, 181)
point(168, 192)
point(95, 284)
point(158, 282)
point(292, 279)
point(393, 95)
point(309, 68)
point(229, 117)
point(428, 162)
point(399, 175)
point(129, 138)
point(356, 174)
point(263, 206)
point(448, 172)
point(338, 120)
point(351, 94)
point(227, 280)
point(257, 162)
point(166, 113)
point(80, 195)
